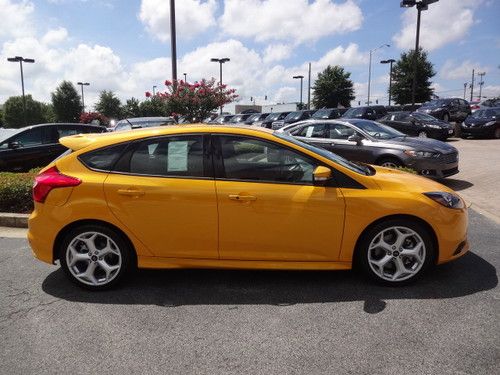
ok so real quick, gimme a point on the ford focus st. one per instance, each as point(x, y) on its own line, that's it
point(237, 198)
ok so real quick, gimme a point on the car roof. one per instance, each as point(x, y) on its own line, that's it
point(79, 141)
point(141, 119)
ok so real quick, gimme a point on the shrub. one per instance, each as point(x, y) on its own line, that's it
point(15, 191)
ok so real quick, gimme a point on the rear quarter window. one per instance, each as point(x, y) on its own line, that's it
point(103, 159)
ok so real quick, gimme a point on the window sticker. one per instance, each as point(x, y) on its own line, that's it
point(309, 131)
point(177, 156)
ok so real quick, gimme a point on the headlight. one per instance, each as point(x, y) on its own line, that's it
point(421, 154)
point(490, 123)
point(436, 109)
point(433, 126)
point(446, 199)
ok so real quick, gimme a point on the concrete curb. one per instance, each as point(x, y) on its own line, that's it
point(8, 219)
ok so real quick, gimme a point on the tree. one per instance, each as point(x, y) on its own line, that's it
point(48, 113)
point(131, 108)
point(66, 103)
point(154, 106)
point(333, 88)
point(402, 78)
point(13, 116)
point(109, 105)
point(195, 101)
point(94, 118)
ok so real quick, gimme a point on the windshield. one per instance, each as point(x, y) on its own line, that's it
point(273, 116)
point(435, 103)
point(293, 116)
point(6, 133)
point(326, 154)
point(253, 118)
point(377, 130)
point(322, 113)
point(485, 113)
point(352, 112)
point(423, 117)
point(236, 119)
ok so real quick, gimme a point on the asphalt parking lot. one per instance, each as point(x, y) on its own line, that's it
point(223, 322)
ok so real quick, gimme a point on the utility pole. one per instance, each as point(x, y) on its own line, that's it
point(370, 68)
point(309, 89)
point(472, 86)
point(220, 61)
point(390, 61)
point(173, 42)
point(465, 88)
point(481, 83)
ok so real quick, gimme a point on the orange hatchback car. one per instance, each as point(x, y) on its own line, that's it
point(233, 197)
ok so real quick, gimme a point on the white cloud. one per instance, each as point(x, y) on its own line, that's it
point(16, 19)
point(192, 17)
point(55, 36)
point(444, 22)
point(294, 20)
point(451, 70)
point(277, 52)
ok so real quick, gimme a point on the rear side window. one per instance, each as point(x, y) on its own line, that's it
point(103, 159)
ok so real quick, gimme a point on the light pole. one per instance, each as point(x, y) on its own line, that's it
point(154, 90)
point(370, 68)
point(173, 42)
point(421, 5)
point(220, 61)
point(185, 77)
point(465, 88)
point(21, 59)
point(390, 61)
point(83, 98)
point(301, 80)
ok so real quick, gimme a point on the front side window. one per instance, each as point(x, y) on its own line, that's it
point(168, 156)
point(311, 131)
point(251, 159)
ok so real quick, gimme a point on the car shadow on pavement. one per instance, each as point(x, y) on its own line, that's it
point(456, 185)
point(171, 288)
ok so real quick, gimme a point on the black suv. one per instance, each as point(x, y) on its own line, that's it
point(326, 113)
point(37, 145)
point(373, 112)
point(452, 109)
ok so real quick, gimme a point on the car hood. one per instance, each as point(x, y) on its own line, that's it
point(421, 144)
point(476, 121)
point(396, 180)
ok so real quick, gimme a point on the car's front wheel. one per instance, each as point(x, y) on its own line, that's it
point(94, 256)
point(396, 251)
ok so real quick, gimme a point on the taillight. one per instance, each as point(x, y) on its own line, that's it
point(51, 179)
point(475, 106)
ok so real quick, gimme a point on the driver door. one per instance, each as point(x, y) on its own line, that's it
point(269, 208)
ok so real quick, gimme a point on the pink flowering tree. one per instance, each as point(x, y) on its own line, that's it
point(195, 101)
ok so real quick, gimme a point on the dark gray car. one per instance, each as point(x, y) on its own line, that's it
point(374, 143)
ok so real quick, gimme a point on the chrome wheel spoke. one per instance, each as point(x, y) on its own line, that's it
point(414, 253)
point(109, 269)
point(89, 274)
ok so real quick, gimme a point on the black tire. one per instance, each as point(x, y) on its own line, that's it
point(446, 117)
point(119, 245)
point(496, 134)
point(390, 162)
point(362, 254)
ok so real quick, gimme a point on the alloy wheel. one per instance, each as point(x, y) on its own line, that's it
point(93, 258)
point(389, 164)
point(396, 253)
point(422, 134)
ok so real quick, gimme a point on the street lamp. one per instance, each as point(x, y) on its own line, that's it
point(421, 5)
point(154, 90)
point(370, 68)
point(21, 59)
point(220, 61)
point(301, 80)
point(185, 77)
point(481, 83)
point(173, 42)
point(83, 99)
point(390, 61)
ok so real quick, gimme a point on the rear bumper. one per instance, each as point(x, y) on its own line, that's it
point(41, 237)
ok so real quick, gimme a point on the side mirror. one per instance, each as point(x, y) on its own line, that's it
point(355, 138)
point(321, 175)
point(14, 145)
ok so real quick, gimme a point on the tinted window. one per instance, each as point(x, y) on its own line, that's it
point(311, 131)
point(64, 131)
point(32, 137)
point(255, 160)
point(104, 158)
point(352, 112)
point(339, 131)
point(168, 156)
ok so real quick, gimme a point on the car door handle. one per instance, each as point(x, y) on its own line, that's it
point(242, 198)
point(131, 192)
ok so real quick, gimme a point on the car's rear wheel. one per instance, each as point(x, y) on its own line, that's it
point(396, 251)
point(389, 162)
point(94, 256)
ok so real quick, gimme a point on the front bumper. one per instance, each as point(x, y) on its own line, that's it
point(479, 131)
point(444, 166)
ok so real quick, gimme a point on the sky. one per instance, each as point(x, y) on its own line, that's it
point(124, 45)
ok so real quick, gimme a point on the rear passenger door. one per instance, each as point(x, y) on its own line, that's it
point(162, 189)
